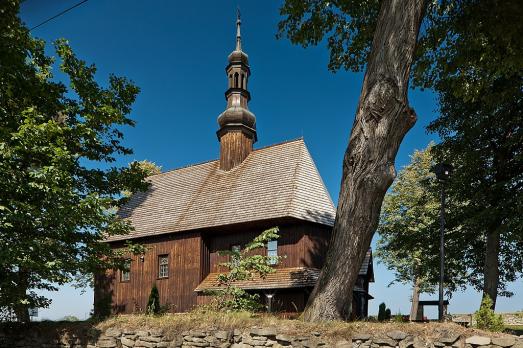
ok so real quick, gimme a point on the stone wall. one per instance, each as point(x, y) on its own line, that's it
point(248, 338)
point(514, 319)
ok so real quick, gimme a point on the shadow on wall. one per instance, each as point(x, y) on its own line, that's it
point(320, 217)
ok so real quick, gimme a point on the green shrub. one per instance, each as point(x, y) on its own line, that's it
point(153, 305)
point(486, 319)
point(243, 266)
point(381, 311)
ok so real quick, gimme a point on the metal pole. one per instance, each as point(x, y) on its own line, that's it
point(441, 252)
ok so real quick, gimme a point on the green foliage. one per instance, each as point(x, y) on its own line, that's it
point(471, 54)
point(387, 314)
point(60, 187)
point(243, 265)
point(381, 311)
point(70, 318)
point(153, 304)
point(486, 319)
point(409, 229)
point(398, 318)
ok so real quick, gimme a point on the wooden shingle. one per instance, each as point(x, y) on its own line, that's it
point(273, 182)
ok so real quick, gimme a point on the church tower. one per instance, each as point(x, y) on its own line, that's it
point(237, 132)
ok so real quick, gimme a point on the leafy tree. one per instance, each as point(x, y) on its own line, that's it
point(479, 80)
point(153, 304)
point(409, 231)
point(467, 49)
point(57, 203)
point(242, 266)
point(149, 168)
point(385, 40)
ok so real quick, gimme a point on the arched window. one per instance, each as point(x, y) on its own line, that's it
point(236, 80)
point(243, 79)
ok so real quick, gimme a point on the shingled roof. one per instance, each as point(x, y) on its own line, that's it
point(281, 278)
point(273, 182)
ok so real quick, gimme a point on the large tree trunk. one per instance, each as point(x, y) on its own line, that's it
point(491, 271)
point(21, 310)
point(415, 301)
point(382, 119)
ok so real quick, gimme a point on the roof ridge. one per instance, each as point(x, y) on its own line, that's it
point(216, 159)
point(280, 143)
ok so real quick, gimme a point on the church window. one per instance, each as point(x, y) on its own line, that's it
point(235, 80)
point(236, 248)
point(125, 274)
point(243, 79)
point(163, 266)
point(272, 252)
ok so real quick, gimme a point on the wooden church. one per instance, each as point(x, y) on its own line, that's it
point(191, 213)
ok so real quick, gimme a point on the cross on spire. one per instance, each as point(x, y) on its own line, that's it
point(238, 35)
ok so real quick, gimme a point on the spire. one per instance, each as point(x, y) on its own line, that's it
point(238, 35)
point(237, 132)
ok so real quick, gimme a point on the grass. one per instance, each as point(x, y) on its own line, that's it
point(172, 324)
point(175, 323)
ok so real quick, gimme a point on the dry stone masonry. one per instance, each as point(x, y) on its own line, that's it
point(252, 338)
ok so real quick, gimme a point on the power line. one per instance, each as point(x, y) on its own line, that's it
point(58, 15)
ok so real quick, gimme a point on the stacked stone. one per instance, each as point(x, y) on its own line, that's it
point(257, 337)
point(399, 339)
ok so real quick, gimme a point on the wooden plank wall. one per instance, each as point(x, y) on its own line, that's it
point(177, 290)
point(303, 244)
point(193, 255)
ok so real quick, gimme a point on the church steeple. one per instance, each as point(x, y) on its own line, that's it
point(237, 132)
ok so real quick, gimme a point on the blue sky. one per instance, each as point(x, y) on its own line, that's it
point(176, 52)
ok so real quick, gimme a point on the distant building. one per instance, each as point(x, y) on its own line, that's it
point(191, 213)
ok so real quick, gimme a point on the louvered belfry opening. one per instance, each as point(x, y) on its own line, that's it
point(237, 132)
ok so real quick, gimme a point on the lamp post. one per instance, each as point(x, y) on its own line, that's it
point(443, 172)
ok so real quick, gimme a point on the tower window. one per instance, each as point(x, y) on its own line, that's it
point(230, 80)
point(272, 252)
point(236, 80)
point(243, 79)
point(163, 266)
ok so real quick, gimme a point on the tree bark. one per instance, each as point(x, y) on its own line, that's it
point(415, 301)
point(491, 272)
point(21, 310)
point(382, 119)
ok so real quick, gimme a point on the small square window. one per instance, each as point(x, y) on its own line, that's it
point(125, 274)
point(272, 252)
point(163, 266)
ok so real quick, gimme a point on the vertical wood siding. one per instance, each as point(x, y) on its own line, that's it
point(176, 291)
point(193, 255)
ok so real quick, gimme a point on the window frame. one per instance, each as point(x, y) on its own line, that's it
point(231, 248)
point(272, 259)
point(161, 266)
point(127, 279)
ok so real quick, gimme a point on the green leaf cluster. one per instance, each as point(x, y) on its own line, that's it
point(486, 319)
point(384, 313)
point(60, 186)
point(153, 303)
point(408, 241)
point(243, 265)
